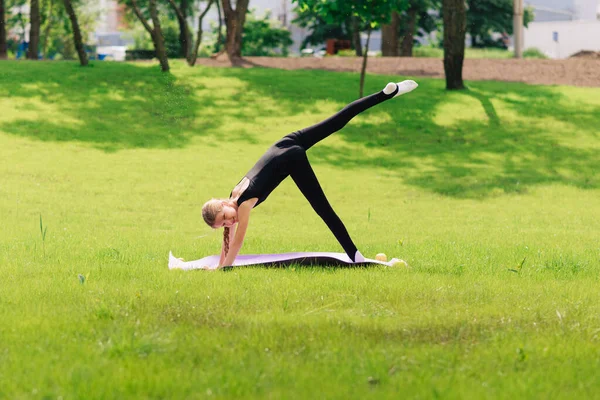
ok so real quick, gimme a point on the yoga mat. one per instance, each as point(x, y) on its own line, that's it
point(279, 260)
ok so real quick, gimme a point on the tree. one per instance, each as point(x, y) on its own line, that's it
point(323, 28)
point(398, 37)
point(34, 30)
point(220, 29)
point(408, 38)
point(155, 31)
point(234, 25)
point(455, 26)
point(191, 53)
point(83, 60)
point(47, 21)
point(368, 15)
point(3, 46)
point(389, 36)
point(185, 37)
point(488, 16)
point(319, 28)
point(355, 30)
point(58, 35)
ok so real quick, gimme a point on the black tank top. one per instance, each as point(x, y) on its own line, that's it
point(270, 170)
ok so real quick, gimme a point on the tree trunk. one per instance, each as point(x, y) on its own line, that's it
point(455, 23)
point(220, 33)
point(47, 29)
point(155, 32)
point(363, 70)
point(34, 30)
point(408, 39)
point(83, 60)
point(185, 36)
point(3, 46)
point(184, 30)
point(159, 40)
point(241, 14)
point(234, 23)
point(356, 37)
point(389, 36)
point(194, 56)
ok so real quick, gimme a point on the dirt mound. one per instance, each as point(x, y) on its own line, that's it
point(594, 55)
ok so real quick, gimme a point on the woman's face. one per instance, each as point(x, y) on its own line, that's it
point(227, 217)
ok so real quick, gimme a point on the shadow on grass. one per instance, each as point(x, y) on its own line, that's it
point(111, 106)
point(493, 139)
point(534, 139)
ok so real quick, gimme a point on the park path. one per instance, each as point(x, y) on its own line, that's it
point(573, 71)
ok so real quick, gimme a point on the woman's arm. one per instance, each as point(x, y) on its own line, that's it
point(238, 239)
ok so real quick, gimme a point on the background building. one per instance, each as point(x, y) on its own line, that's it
point(562, 28)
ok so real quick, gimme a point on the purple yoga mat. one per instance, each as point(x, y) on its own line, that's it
point(284, 259)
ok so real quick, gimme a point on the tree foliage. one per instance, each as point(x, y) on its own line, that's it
point(263, 37)
point(369, 14)
point(56, 33)
point(420, 18)
point(485, 17)
point(77, 38)
point(147, 12)
point(187, 47)
point(320, 28)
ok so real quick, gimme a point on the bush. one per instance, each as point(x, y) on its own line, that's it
point(143, 41)
point(170, 32)
point(533, 52)
point(140, 54)
point(262, 37)
point(346, 53)
point(428, 51)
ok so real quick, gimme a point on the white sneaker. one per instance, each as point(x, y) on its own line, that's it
point(358, 258)
point(403, 87)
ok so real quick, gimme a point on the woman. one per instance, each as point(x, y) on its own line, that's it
point(287, 157)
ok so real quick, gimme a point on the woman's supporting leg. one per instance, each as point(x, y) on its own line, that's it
point(309, 136)
point(306, 180)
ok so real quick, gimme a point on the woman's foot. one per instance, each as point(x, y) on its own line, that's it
point(358, 258)
point(403, 87)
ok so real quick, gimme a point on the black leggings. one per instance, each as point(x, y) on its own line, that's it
point(304, 176)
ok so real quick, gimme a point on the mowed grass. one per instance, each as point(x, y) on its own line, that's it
point(113, 163)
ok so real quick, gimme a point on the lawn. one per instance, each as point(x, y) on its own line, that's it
point(491, 195)
point(473, 52)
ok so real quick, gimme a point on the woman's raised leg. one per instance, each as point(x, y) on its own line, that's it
point(307, 137)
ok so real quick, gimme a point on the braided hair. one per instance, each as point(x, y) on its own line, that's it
point(226, 240)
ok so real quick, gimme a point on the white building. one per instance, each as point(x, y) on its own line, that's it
point(562, 28)
point(108, 37)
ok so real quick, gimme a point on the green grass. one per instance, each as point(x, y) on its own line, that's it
point(116, 160)
point(470, 52)
point(438, 52)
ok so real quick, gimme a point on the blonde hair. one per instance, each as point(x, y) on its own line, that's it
point(210, 209)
